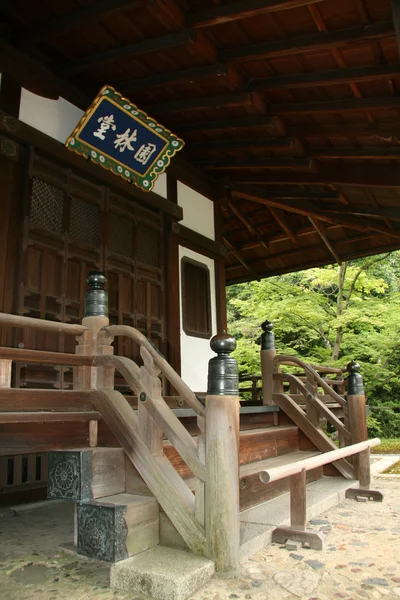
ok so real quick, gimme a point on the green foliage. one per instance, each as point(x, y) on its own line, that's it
point(374, 428)
point(330, 316)
point(387, 446)
point(394, 469)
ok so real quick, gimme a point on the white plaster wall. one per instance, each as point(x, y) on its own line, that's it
point(198, 211)
point(160, 186)
point(196, 352)
point(55, 118)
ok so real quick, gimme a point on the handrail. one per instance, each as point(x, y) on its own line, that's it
point(328, 414)
point(41, 324)
point(178, 435)
point(182, 388)
point(316, 461)
point(44, 357)
point(283, 359)
point(293, 361)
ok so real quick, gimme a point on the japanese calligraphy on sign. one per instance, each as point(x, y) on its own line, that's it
point(115, 134)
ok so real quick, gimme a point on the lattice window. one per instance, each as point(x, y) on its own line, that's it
point(148, 246)
point(121, 235)
point(84, 222)
point(47, 203)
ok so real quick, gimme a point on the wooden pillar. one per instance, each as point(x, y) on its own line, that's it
point(94, 342)
point(356, 405)
point(222, 456)
point(298, 504)
point(268, 354)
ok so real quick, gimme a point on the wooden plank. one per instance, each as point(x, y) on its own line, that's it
point(325, 78)
point(43, 357)
point(376, 153)
point(396, 20)
point(48, 417)
point(22, 399)
point(273, 124)
point(309, 43)
point(169, 79)
point(243, 9)
point(231, 100)
point(147, 46)
point(76, 19)
point(158, 473)
point(336, 106)
point(193, 237)
point(385, 129)
point(267, 143)
point(321, 441)
point(252, 230)
point(256, 163)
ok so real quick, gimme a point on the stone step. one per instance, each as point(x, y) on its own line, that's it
point(117, 527)
point(162, 574)
point(85, 474)
point(258, 523)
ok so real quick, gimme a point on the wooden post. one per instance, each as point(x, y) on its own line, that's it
point(312, 412)
point(5, 373)
point(357, 416)
point(94, 342)
point(268, 368)
point(222, 456)
point(150, 432)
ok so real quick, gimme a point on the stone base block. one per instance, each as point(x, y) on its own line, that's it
point(162, 573)
point(117, 527)
point(85, 474)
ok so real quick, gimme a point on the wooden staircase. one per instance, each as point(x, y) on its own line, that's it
point(145, 475)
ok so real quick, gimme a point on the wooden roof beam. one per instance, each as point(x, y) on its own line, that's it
point(283, 225)
point(385, 130)
point(267, 143)
point(252, 230)
point(146, 46)
point(357, 175)
point(376, 153)
point(272, 124)
point(335, 106)
point(256, 163)
point(309, 43)
point(381, 212)
point(324, 237)
point(237, 254)
point(296, 193)
point(78, 18)
point(243, 9)
point(185, 76)
point(396, 20)
point(323, 78)
point(211, 102)
point(313, 210)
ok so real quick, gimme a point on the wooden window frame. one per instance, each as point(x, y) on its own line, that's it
point(190, 332)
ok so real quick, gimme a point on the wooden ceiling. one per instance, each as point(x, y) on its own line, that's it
point(290, 107)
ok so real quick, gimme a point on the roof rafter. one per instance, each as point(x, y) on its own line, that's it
point(311, 209)
point(257, 163)
point(335, 106)
point(309, 43)
point(242, 261)
point(320, 229)
point(241, 10)
point(334, 77)
point(386, 129)
point(253, 230)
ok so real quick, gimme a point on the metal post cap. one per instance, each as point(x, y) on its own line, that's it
point(355, 386)
point(223, 375)
point(223, 343)
point(96, 298)
point(268, 337)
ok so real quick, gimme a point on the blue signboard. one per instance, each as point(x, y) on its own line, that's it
point(115, 134)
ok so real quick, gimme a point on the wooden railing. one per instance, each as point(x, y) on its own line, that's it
point(298, 501)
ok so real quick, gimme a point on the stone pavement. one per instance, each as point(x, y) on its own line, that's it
point(361, 559)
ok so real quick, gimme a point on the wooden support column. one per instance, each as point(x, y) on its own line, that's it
point(268, 353)
point(312, 412)
point(94, 342)
point(222, 456)
point(357, 415)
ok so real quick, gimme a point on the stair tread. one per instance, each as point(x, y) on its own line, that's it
point(275, 461)
point(269, 430)
point(48, 416)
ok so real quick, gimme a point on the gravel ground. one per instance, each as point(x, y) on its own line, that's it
point(361, 559)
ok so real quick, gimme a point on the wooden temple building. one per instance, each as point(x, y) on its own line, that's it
point(111, 395)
